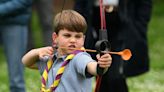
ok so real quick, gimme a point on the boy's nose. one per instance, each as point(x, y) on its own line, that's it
point(72, 39)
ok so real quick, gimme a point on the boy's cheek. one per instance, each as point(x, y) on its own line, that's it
point(80, 45)
point(81, 42)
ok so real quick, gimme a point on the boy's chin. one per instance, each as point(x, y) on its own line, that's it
point(70, 51)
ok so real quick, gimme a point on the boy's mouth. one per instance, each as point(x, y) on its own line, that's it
point(71, 47)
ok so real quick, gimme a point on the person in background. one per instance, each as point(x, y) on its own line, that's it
point(45, 11)
point(14, 18)
point(138, 17)
point(71, 70)
point(125, 20)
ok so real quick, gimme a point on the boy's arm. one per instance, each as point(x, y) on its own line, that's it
point(104, 62)
point(30, 58)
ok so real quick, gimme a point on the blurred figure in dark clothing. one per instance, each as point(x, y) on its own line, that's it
point(127, 28)
point(45, 12)
point(14, 18)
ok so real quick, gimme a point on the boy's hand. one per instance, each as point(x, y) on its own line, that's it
point(45, 51)
point(104, 61)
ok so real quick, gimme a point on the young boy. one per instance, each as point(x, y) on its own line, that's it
point(69, 28)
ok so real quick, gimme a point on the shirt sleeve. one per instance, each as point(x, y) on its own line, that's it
point(80, 62)
point(41, 65)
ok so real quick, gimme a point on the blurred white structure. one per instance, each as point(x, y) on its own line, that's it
point(108, 2)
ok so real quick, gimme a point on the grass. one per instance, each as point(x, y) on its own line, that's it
point(152, 81)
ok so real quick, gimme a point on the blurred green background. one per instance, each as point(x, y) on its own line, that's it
point(152, 81)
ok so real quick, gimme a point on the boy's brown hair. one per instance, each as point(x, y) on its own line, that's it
point(70, 20)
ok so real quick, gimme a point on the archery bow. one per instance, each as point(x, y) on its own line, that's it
point(101, 44)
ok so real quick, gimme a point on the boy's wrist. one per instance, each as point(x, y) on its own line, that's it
point(100, 71)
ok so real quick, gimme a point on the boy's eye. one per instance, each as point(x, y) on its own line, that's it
point(78, 36)
point(67, 35)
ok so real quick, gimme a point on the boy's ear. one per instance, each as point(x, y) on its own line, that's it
point(54, 36)
point(84, 37)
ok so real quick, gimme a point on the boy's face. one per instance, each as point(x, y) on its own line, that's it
point(68, 39)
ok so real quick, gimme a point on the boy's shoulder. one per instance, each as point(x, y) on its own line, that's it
point(82, 56)
point(82, 53)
